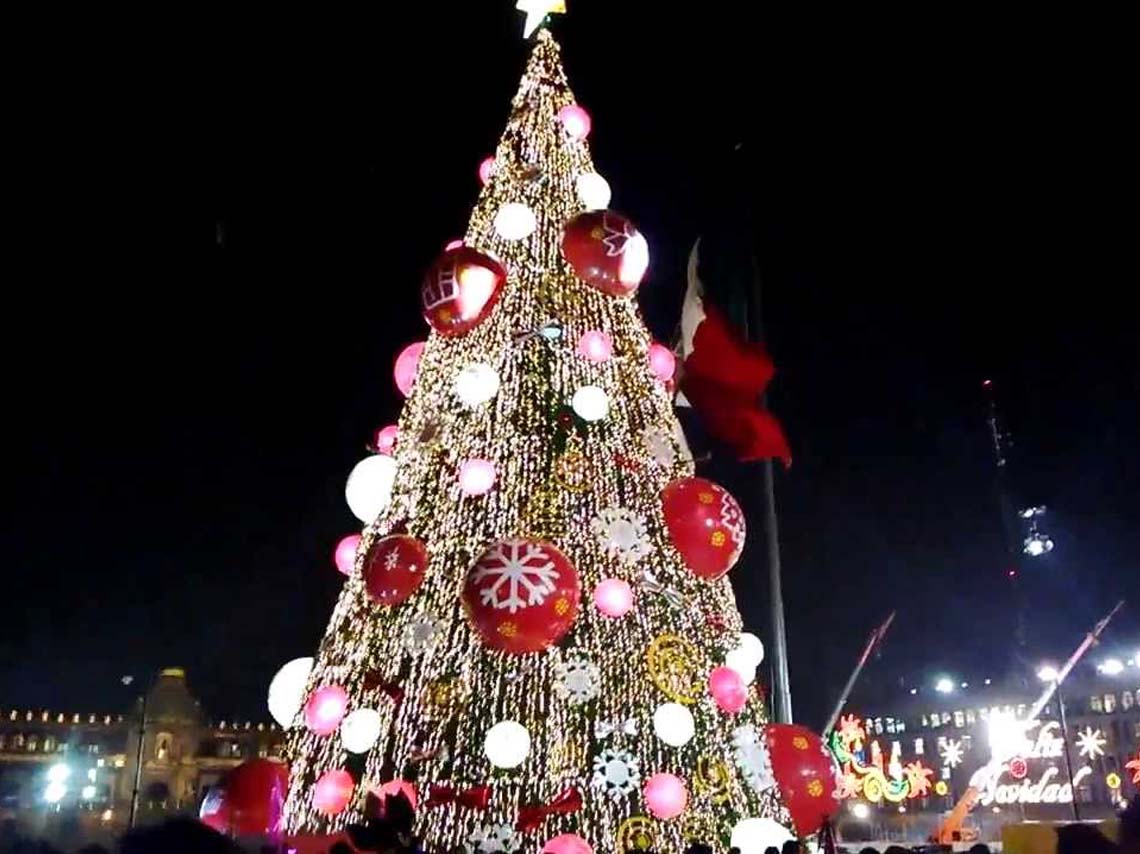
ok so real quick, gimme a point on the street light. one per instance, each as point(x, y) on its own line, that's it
point(1047, 673)
point(944, 685)
point(1111, 667)
point(860, 810)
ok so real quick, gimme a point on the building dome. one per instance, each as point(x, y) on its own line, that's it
point(170, 700)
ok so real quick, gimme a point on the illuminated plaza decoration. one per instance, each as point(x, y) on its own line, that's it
point(951, 752)
point(872, 778)
point(1091, 743)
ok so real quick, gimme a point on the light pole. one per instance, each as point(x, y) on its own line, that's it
point(1048, 673)
point(127, 680)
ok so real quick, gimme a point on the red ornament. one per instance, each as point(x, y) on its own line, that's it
point(332, 792)
point(705, 524)
point(806, 773)
point(460, 289)
point(522, 595)
point(248, 800)
point(606, 251)
point(394, 567)
point(1018, 768)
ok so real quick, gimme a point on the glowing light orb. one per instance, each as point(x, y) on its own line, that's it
point(567, 843)
point(593, 191)
point(740, 661)
point(58, 773)
point(595, 346)
point(662, 362)
point(476, 477)
point(407, 365)
point(477, 384)
point(396, 787)
point(613, 597)
point(325, 709)
point(591, 403)
point(287, 691)
point(369, 486)
point(345, 554)
point(453, 244)
point(728, 689)
point(755, 835)
point(514, 221)
point(753, 648)
point(665, 795)
point(384, 440)
point(487, 169)
point(576, 121)
point(55, 792)
point(332, 792)
point(674, 724)
point(507, 744)
point(359, 730)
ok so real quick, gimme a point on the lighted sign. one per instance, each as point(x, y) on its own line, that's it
point(879, 779)
point(1043, 790)
point(1048, 745)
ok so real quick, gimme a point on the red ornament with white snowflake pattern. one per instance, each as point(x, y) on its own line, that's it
point(460, 289)
point(606, 251)
point(394, 568)
point(522, 595)
point(705, 524)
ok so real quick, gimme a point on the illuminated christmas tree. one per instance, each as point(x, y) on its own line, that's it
point(537, 642)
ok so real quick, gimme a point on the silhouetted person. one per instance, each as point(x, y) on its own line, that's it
point(92, 849)
point(771, 849)
point(1083, 839)
point(790, 847)
point(177, 836)
point(1130, 828)
point(979, 849)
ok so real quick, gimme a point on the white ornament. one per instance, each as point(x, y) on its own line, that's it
point(740, 661)
point(751, 754)
point(359, 730)
point(752, 647)
point(477, 384)
point(577, 680)
point(515, 567)
point(622, 533)
point(593, 191)
point(656, 441)
point(755, 835)
point(507, 744)
point(951, 753)
point(673, 724)
point(422, 634)
point(1091, 743)
point(287, 690)
point(369, 487)
point(514, 221)
point(616, 773)
point(591, 403)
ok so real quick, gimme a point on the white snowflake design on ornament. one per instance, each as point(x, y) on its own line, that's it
point(617, 773)
point(392, 559)
point(422, 634)
point(622, 533)
point(616, 235)
point(517, 565)
point(752, 758)
point(577, 680)
point(657, 443)
point(493, 839)
point(732, 517)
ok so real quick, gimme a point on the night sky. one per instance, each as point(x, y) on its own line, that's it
point(931, 212)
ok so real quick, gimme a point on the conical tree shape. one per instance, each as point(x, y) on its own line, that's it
point(588, 701)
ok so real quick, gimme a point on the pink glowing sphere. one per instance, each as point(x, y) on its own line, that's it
point(486, 169)
point(665, 795)
point(407, 364)
point(384, 440)
point(453, 244)
point(345, 555)
point(575, 120)
point(332, 792)
point(728, 689)
point(613, 597)
point(325, 709)
point(662, 362)
point(476, 477)
point(396, 787)
point(567, 843)
point(595, 345)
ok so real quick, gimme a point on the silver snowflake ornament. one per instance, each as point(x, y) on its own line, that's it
point(622, 533)
point(751, 754)
point(616, 773)
point(577, 680)
point(421, 635)
point(660, 448)
point(493, 839)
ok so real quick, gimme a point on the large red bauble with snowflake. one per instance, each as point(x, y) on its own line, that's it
point(705, 524)
point(460, 289)
point(606, 251)
point(522, 595)
point(806, 774)
point(394, 567)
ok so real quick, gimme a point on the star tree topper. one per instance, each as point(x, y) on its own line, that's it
point(536, 12)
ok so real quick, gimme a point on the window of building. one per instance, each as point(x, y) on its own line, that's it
point(959, 719)
point(18, 741)
point(1095, 704)
point(919, 747)
point(33, 743)
point(983, 714)
point(967, 743)
point(1136, 731)
point(49, 744)
point(900, 726)
point(3, 741)
point(891, 726)
point(924, 722)
point(1126, 700)
point(945, 718)
point(878, 726)
point(164, 747)
point(1109, 703)
point(262, 751)
point(92, 748)
point(970, 719)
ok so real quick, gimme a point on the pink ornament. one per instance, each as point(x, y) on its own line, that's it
point(595, 345)
point(385, 439)
point(567, 843)
point(575, 120)
point(332, 792)
point(453, 244)
point(662, 362)
point(396, 787)
point(325, 709)
point(613, 597)
point(345, 555)
point(407, 364)
point(476, 477)
point(665, 795)
point(728, 689)
point(486, 169)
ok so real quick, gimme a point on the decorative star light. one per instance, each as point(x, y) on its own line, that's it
point(951, 753)
point(1134, 766)
point(916, 776)
point(536, 12)
point(1091, 743)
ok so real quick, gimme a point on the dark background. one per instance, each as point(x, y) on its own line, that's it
point(939, 200)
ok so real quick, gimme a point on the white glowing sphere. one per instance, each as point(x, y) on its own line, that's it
point(593, 191)
point(476, 477)
point(634, 260)
point(674, 724)
point(754, 835)
point(860, 810)
point(752, 646)
point(55, 792)
point(477, 383)
point(591, 403)
point(369, 487)
point(507, 744)
point(88, 793)
point(287, 690)
point(514, 221)
point(58, 773)
point(359, 730)
point(739, 660)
